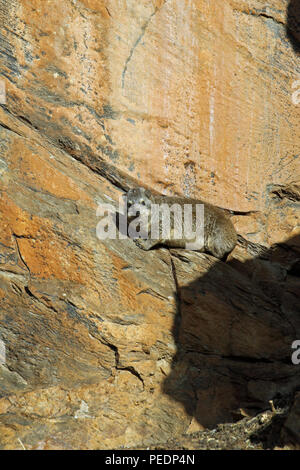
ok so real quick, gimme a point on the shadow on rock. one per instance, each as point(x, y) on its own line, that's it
point(293, 24)
point(234, 329)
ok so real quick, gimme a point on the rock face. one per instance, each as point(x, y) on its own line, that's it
point(103, 345)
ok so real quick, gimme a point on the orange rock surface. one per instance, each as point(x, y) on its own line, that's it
point(107, 346)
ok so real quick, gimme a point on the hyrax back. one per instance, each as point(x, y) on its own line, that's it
point(220, 236)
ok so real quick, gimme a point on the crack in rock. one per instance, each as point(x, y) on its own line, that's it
point(138, 40)
point(16, 237)
point(130, 369)
point(259, 14)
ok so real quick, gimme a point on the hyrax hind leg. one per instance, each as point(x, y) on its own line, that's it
point(222, 240)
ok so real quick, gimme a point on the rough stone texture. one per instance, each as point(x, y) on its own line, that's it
point(106, 345)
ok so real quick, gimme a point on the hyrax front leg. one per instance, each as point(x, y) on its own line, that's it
point(145, 244)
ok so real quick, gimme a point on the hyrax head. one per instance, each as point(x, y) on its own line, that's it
point(139, 197)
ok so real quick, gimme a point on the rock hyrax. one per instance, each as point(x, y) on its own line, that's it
point(219, 233)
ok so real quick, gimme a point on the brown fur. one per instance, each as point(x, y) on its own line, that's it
point(220, 236)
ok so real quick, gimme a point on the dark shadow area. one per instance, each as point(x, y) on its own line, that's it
point(269, 435)
point(293, 24)
point(234, 328)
